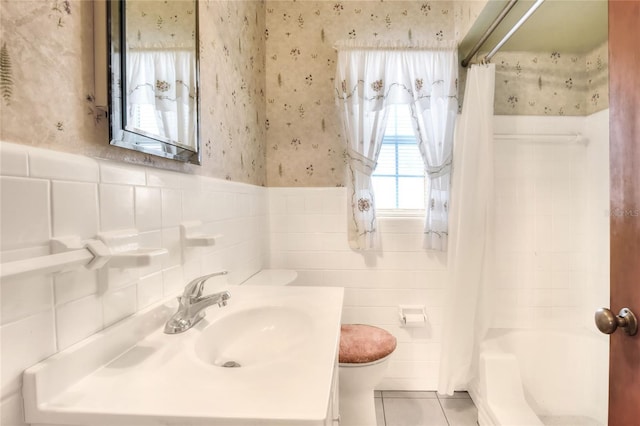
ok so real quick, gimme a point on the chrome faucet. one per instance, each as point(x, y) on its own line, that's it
point(193, 303)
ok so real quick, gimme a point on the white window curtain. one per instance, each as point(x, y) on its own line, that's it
point(161, 84)
point(471, 249)
point(369, 78)
point(434, 118)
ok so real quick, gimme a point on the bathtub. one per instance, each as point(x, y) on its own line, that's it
point(542, 377)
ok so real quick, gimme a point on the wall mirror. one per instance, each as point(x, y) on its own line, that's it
point(154, 104)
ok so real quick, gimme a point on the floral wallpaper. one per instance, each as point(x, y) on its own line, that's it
point(465, 13)
point(46, 83)
point(170, 23)
point(267, 68)
point(47, 76)
point(232, 80)
point(551, 83)
point(304, 141)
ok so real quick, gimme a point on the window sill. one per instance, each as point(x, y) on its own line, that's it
point(382, 213)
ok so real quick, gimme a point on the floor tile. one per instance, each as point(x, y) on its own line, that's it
point(460, 411)
point(408, 394)
point(413, 412)
point(379, 412)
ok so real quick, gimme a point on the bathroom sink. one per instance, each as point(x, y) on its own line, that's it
point(253, 336)
point(283, 339)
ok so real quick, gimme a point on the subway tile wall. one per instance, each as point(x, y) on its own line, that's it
point(551, 225)
point(47, 194)
point(308, 233)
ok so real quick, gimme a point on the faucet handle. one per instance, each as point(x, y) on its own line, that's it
point(195, 288)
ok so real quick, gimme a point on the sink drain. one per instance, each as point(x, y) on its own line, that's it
point(231, 364)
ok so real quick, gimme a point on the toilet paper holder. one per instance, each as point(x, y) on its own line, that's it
point(412, 315)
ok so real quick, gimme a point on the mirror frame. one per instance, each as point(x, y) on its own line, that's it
point(118, 135)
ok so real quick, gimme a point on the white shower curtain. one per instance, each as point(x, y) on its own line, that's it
point(471, 234)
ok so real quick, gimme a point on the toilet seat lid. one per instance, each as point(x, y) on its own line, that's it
point(361, 343)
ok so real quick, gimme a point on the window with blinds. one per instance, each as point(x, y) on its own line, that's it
point(143, 117)
point(399, 181)
point(166, 124)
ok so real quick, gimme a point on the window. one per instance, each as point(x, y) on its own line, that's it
point(143, 117)
point(399, 181)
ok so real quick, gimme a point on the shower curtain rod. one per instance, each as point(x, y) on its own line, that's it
point(488, 32)
point(491, 29)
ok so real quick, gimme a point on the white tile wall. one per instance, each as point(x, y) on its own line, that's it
point(549, 197)
point(24, 343)
point(74, 209)
point(171, 200)
point(60, 166)
point(119, 304)
point(14, 161)
point(78, 319)
point(150, 289)
point(148, 208)
point(24, 201)
point(22, 297)
point(122, 217)
point(73, 285)
point(47, 194)
point(11, 412)
point(308, 233)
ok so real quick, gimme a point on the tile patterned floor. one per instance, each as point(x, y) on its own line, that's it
point(402, 408)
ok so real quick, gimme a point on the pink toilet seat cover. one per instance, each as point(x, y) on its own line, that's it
point(360, 343)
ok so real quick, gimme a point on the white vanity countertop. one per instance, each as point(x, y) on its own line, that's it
point(161, 381)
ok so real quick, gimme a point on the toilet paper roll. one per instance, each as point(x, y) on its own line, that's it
point(414, 319)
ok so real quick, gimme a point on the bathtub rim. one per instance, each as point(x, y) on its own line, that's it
point(491, 343)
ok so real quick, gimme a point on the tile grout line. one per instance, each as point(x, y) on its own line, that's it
point(440, 403)
point(442, 409)
point(384, 414)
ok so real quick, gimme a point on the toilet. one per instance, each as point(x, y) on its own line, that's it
point(363, 360)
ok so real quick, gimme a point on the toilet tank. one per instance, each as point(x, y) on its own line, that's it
point(272, 277)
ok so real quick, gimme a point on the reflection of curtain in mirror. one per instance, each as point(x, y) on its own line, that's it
point(161, 96)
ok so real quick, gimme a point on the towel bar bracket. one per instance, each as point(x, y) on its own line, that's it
point(101, 253)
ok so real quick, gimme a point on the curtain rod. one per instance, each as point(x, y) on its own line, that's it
point(491, 29)
point(488, 32)
point(515, 28)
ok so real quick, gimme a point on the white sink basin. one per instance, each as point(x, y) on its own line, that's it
point(254, 336)
point(284, 338)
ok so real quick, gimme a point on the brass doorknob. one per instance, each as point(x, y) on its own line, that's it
point(607, 322)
